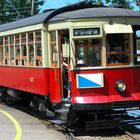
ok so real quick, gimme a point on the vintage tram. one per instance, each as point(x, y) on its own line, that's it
point(101, 49)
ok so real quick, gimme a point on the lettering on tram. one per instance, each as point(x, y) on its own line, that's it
point(86, 31)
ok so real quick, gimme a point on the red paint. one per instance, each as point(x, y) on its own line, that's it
point(42, 81)
point(45, 81)
point(108, 94)
point(33, 80)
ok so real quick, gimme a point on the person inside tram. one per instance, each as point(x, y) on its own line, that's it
point(66, 79)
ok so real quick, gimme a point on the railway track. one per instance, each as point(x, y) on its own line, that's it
point(129, 134)
point(82, 133)
point(118, 133)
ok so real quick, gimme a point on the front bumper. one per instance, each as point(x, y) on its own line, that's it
point(106, 106)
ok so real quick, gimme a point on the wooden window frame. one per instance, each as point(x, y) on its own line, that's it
point(115, 53)
point(53, 42)
point(86, 46)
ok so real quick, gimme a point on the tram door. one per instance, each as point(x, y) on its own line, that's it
point(64, 51)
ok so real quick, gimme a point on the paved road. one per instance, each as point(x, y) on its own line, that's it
point(18, 125)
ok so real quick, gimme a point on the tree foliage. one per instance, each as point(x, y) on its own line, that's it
point(128, 4)
point(15, 9)
point(124, 3)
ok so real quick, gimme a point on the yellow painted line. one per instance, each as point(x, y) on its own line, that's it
point(18, 128)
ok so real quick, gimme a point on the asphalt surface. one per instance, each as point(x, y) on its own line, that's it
point(18, 125)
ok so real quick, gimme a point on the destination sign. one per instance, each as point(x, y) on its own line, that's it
point(86, 31)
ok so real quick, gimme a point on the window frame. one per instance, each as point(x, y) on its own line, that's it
point(15, 55)
point(87, 46)
point(118, 53)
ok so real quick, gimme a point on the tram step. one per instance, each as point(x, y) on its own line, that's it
point(62, 114)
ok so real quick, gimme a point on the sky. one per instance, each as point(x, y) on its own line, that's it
point(54, 4)
point(57, 3)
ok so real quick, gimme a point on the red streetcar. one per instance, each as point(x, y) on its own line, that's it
point(79, 59)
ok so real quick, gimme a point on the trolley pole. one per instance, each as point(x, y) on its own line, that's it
point(32, 7)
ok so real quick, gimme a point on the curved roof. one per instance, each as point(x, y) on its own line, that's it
point(70, 13)
point(100, 12)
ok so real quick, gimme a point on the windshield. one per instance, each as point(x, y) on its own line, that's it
point(88, 52)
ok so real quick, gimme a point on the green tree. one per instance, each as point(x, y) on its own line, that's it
point(138, 4)
point(15, 9)
point(124, 3)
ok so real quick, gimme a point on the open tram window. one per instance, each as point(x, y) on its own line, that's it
point(1, 51)
point(38, 48)
point(23, 49)
point(88, 52)
point(136, 42)
point(31, 48)
point(31, 55)
point(17, 48)
point(11, 38)
point(53, 48)
point(6, 47)
point(118, 49)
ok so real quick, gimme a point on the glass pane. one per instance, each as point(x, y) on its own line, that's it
point(30, 37)
point(117, 48)
point(138, 45)
point(39, 49)
point(6, 40)
point(17, 39)
point(80, 55)
point(11, 39)
point(23, 38)
point(38, 36)
point(24, 50)
point(31, 52)
point(54, 53)
point(93, 56)
point(88, 52)
point(1, 40)
point(17, 50)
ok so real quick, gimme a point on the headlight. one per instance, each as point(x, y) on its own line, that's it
point(120, 86)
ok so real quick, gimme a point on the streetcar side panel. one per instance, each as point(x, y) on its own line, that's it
point(32, 80)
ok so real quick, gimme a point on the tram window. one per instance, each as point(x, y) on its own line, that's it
point(38, 36)
point(88, 52)
point(17, 49)
point(31, 48)
point(2, 55)
point(137, 46)
point(6, 40)
point(31, 55)
point(23, 49)
point(1, 50)
point(30, 37)
point(11, 39)
point(54, 52)
point(118, 49)
point(1, 40)
point(38, 48)
point(23, 38)
point(17, 39)
point(11, 54)
point(6, 47)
